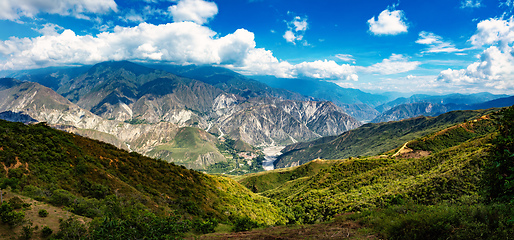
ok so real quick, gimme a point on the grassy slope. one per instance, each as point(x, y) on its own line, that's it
point(52, 159)
point(31, 214)
point(373, 139)
point(339, 186)
point(187, 148)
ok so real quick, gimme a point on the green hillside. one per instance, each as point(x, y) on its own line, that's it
point(97, 180)
point(451, 184)
point(192, 147)
point(373, 138)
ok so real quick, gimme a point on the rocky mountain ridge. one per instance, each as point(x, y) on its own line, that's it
point(142, 109)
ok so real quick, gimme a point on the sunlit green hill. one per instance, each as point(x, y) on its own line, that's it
point(372, 138)
point(87, 177)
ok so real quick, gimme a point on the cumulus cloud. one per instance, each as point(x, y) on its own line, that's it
point(326, 70)
point(197, 11)
point(296, 29)
point(494, 31)
point(397, 63)
point(49, 29)
point(14, 9)
point(389, 22)
point(435, 43)
point(262, 62)
point(470, 3)
point(180, 42)
point(494, 68)
point(184, 42)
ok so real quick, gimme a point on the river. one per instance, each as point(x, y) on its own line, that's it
point(270, 155)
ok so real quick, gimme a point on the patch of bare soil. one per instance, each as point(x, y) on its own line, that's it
point(415, 154)
point(32, 216)
point(332, 230)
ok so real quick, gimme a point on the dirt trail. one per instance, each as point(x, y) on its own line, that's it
point(402, 150)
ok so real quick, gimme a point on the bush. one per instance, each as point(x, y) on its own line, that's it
point(62, 197)
point(443, 221)
point(13, 218)
point(205, 226)
point(242, 224)
point(43, 213)
point(16, 202)
point(71, 229)
point(27, 232)
point(46, 232)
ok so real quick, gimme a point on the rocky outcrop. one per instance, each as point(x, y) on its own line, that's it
point(285, 122)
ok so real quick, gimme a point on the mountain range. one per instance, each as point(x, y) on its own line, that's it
point(371, 139)
point(144, 109)
point(439, 177)
point(384, 107)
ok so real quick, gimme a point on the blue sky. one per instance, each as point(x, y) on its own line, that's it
point(434, 46)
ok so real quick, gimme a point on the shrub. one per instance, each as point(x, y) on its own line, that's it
point(205, 226)
point(242, 224)
point(442, 221)
point(9, 216)
point(71, 229)
point(27, 232)
point(46, 232)
point(13, 218)
point(16, 202)
point(62, 197)
point(43, 213)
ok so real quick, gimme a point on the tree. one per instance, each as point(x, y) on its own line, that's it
point(9, 216)
point(500, 174)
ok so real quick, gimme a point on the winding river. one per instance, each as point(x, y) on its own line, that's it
point(270, 155)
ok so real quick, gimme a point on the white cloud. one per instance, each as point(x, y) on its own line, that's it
point(262, 62)
point(198, 11)
point(388, 23)
point(493, 31)
point(494, 68)
point(299, 24)
point(14, 9)
point(183, 42)
point(132, 16)
point(397, 63)
point(296, 29)
point(508, 3)
point(326, 70)
point(435, 43)
point(50, 29)
point(346, 57)
point(289, 36)
point(180, 42)
point(470, 3)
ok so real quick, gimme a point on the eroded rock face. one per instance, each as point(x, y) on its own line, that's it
point(285, 122)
